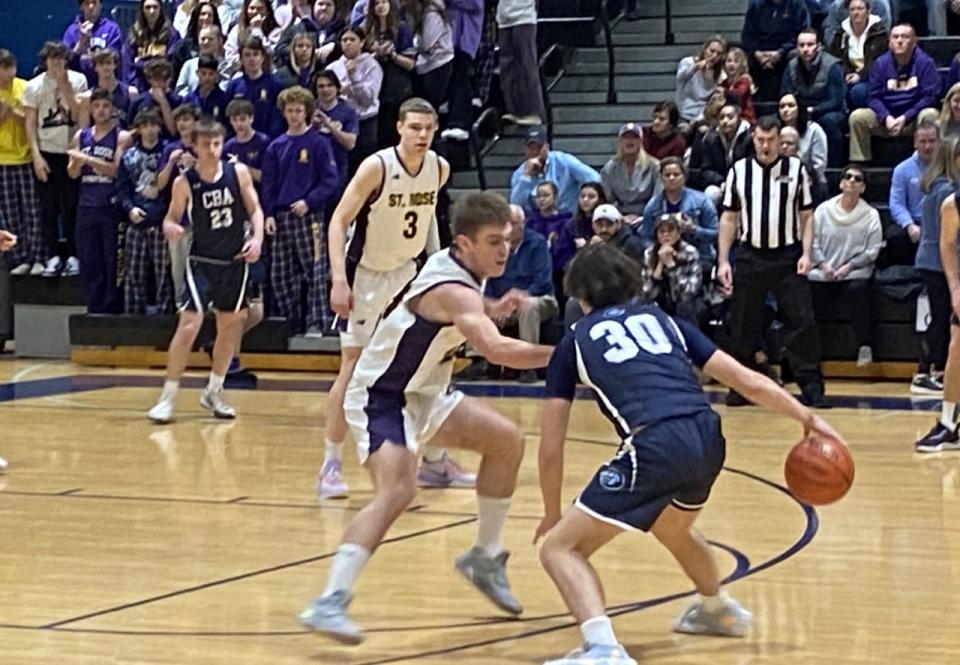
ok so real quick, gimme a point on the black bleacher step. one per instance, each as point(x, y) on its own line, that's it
point(637, 65)
point(708, 22)
point(637, 53)
point(598, 113)
point(587, 129)
point(574, 81)
point(575, 144)
point(577, 98)
point(681, 8)
point(941, 49)
point(37, 290)
point(689, 39)
point(270, 336)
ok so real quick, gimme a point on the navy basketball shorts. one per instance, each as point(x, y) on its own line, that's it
point(216, 285)
point(672, 462)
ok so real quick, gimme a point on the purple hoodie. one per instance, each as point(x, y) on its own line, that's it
point(466, 19)
point(105, 34)
point(903, 90)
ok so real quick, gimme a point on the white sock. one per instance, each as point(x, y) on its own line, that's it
point(949, 415)
point(598, 630)
point(169, 392)
point(491, 516)
point(432, 454)
point(332, 451)
point(346, 568)
point(715, 603)
point(215, 384)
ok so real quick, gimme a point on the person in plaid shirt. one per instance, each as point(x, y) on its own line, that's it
point(147, 281)
point(671, 275)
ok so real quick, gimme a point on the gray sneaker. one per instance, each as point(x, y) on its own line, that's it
point(596, 654)
point(489, 575)
point(212, 400)
point(328, 616)
point(731, 621)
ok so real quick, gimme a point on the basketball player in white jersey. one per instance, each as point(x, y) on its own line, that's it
point(7, 241)
point(400, 398)
point(391, 203)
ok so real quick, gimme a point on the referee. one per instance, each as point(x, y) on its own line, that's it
point(767, 197)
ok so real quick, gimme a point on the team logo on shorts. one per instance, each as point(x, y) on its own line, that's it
point(611, 479)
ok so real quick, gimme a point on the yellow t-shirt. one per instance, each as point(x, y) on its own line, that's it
point(14, 147)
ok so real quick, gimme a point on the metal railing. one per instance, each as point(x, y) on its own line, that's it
point(603, 15)
point(668, 37)
point(551, 66)
point(481, 145)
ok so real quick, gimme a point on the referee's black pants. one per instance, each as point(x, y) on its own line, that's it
point(757, 272)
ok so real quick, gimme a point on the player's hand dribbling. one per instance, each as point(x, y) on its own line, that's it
point(172, 231)
point(341, 299)
point(817, 425)
point(251, 250)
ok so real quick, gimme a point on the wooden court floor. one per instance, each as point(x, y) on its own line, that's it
point(197, 543)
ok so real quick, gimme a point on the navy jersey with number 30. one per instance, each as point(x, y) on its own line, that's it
point(638, 361)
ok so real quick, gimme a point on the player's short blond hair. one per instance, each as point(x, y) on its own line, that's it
point(416, 105)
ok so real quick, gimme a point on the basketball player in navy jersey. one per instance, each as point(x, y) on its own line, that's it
point(639, 362)
point(7, 242)
point(391, 203)
point(221, 202)
point(400, 398)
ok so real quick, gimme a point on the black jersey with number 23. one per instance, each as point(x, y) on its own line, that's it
point(217, 214)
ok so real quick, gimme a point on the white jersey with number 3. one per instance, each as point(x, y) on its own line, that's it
point(393, 228)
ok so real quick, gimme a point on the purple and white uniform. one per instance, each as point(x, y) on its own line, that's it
point(400, 391)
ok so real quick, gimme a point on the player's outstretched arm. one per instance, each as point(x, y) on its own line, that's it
point(762, 390)
point(251, 203)
point(463, 307)
point(553, 434)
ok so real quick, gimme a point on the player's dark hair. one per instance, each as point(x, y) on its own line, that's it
point(475, 210)
point(602, 275)
point(208, 127)
point(100, 94)
point(239, 107)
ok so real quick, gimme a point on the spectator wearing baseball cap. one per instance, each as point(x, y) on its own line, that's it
point(632, 177)
point(671, 274)
point(542, 164)
point(608, 227)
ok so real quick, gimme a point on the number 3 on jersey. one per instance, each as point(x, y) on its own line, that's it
point(643, 331)
point(411, 231)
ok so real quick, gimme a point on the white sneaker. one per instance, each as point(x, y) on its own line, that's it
point(162, 412)
point(455, 134)
point(330, 482)
point(864, 356)
point(3, 465)
point(52, 269)
point(213, 401)
point(529, 120)
point(37, 269)
point(508, 117)
point(73, 267)
point(314, 332)
point(22, 269)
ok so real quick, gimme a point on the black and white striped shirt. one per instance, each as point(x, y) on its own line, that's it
point(769, 200)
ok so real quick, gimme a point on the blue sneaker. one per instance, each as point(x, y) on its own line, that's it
point(328, 615)
point(489, 575)
point(595, 654)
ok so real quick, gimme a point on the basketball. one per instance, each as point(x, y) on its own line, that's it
point(819, 470)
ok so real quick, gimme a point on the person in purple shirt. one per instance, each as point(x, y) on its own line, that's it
point(146, 280)
point(247, 146)
point(904, 88)
point(334, 117)
point(207, 96)
point(151, 37)
point(550, 222)
point(95, 154)
point(299, 176)
point(158, 95)
point(258, 87)
point(105, 63)
point(90, 32)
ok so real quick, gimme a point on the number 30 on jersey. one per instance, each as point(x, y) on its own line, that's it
point(640, 331)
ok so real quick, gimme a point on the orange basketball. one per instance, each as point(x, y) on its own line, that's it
point(819, 470)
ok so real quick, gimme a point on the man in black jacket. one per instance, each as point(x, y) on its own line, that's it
point(720, 148)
